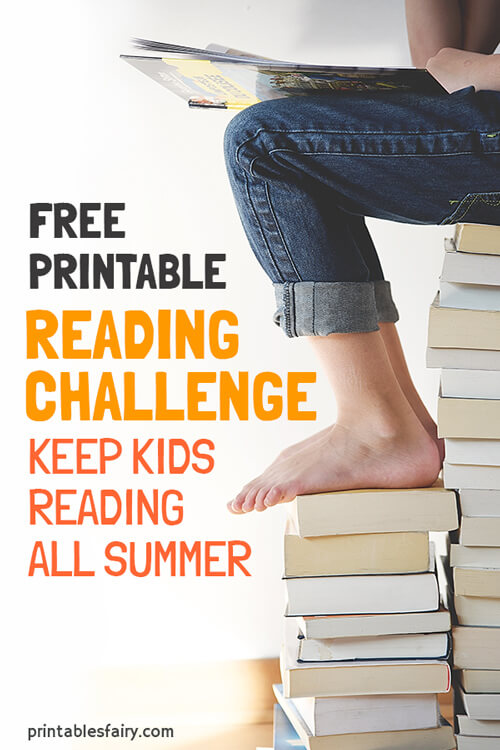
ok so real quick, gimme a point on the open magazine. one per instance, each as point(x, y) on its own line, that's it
point(223, 78)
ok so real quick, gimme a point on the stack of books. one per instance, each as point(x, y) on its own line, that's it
point(366, 635)
point(464, 340)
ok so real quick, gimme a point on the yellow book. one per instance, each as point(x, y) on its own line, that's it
point(477, 582)
point(353, 554)
point(477, 238)
point(374, 511)
point(455, 328)
point(469, 418)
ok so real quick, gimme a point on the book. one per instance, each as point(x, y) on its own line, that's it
point(290, 731)
point(456, 328)
point(374, 511)
point(483, 384)
point(461, 358)
point(479, 680)
point(477, 238)
point(465, 268)
point(476, 743)
point(469, 296)
point(347, 626)
point(469, 418)
point(477, 611)
point(367, 713)
point(483, 706)
point(473, 452)
point(476, 648)
point(362, 677)
point(474, 557)
point(230, 79)
point(374, 594)
point(407, 646)
point(480, 532)
point(284, 735)
point(480, 502)
point(477, 582)
point(478, 727)
point(355, 554)
point(465, 476)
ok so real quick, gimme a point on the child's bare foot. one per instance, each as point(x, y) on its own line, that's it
point(291, 450)
point(339, 458)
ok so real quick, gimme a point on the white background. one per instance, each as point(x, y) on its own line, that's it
point(83, 126)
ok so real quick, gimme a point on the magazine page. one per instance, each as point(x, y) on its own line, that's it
point(218, 297)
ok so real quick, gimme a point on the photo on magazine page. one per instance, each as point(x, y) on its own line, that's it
point(251, 418)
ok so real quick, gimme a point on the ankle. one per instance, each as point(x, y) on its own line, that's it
point(387, 421)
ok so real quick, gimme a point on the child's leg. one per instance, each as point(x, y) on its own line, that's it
point(303, 174)
point(397, 359)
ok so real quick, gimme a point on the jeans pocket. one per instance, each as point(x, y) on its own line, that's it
point(476, 208)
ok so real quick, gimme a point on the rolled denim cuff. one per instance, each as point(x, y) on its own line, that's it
point(318, 308)
point(386, 309)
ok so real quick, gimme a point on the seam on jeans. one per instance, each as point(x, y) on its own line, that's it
point(315, 131)
point(474, 199)
point(287, 251)
point(351, 153)
point(286, 308)
point(466, 204)
point(250, 166)
point(314, 310)
point(276, 268)
point(293, 318)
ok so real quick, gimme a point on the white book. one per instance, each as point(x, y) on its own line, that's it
point(368, 713)
point(373, 594)
point(462, 383)
point(482, 706)
point(465, 359)
point(474, 452)
point(479, 680)
point(479, 532)
point(465, 476)
point(291, 731)
point(408, 646)
point(465, 742)
point(465, 268)
point(478, 728)
point(480, 502)
point(347, 626)
point(474, 557)
point(477, 611)
point(469, 296)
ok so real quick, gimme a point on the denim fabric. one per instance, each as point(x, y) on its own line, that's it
point(305, 172)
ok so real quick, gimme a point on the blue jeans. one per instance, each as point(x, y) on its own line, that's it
point(305, 172)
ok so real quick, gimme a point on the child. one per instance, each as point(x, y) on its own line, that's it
point(305, 172)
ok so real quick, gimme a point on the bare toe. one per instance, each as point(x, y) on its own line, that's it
point(273, 497)
point(236, 505)
point(260, 499)
point(249, 503)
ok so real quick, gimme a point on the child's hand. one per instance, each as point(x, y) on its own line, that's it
point(453, 68)
point(456, 69)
